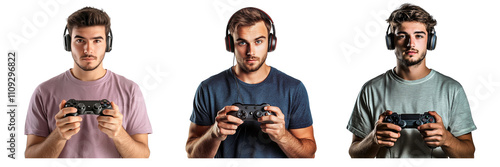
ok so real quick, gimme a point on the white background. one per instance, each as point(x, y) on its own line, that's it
point(169, 47)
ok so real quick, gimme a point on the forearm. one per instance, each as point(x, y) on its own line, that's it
point(51, 147)
point(130, 148)
point(297, 148)
point(365, 148)
point(457, 148)
point(205, 146)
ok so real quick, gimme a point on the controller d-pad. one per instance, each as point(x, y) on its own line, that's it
point(242, 115)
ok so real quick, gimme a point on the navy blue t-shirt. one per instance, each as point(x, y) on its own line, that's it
point(278, 89)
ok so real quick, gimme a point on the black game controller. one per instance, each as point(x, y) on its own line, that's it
point(250, 112)
point(410, 120)
point(88, 107)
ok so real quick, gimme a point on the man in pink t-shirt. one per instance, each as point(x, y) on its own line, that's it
point(124, 133)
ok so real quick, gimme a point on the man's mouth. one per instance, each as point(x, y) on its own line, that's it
point(251, 60)
point(88, 58)
point(411, 52)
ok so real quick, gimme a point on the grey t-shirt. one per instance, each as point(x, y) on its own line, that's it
point(434, 92)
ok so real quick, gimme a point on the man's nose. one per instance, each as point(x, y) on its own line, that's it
point(88, 48)
point(251, 49)
point(411, 42)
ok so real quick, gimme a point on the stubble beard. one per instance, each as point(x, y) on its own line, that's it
point(246, 69)
point(84, 68)
point(408, 62)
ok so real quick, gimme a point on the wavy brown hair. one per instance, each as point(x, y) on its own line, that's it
point(89, 16)
point(409, 12)
point(247, 17)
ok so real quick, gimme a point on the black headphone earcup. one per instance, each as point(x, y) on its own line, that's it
point(389, 41)
point(109, 43)
point(229, 43)
point(272, 42)
point(431, 41)
point(67, 42)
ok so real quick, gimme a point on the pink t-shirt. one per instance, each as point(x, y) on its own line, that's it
point(90, 142)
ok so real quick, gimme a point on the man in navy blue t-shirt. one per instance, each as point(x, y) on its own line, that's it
point(288, 133)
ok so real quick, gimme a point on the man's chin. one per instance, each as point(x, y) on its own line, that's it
point(252, 68)
point(88, 68)
point(412, 62)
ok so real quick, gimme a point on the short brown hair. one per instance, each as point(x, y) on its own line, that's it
point(409, 12)
point(89, 16)
point(247, 17)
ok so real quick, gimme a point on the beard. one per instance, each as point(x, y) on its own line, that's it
point(252, 67)
point(409, 62)
point(88, 68)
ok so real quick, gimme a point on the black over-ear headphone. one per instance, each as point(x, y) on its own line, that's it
point(67, 40)
point(391, 45)
point(272, 36)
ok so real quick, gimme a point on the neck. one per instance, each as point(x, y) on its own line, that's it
point(252, 77)
point(88, 75)
point(414, 72)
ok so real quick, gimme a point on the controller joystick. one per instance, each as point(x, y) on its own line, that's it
point(97, 108)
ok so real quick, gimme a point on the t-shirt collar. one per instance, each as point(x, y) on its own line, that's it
point(73, 79)
point(394, 76)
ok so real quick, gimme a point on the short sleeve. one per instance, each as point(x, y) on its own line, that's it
point(360, 123)
point(36, 118)
point(301, 113)
point(201, 115)
point(137, 119)
point(460, 117)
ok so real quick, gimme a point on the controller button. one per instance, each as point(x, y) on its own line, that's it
point(402, 124)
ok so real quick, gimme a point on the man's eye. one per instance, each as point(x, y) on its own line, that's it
point(420, 36)
point(401, 37)
point(97, 41)
point(258, 42)
point(242, 43)
point(79, 41)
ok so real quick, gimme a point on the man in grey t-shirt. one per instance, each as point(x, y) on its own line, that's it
point(411, 88)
